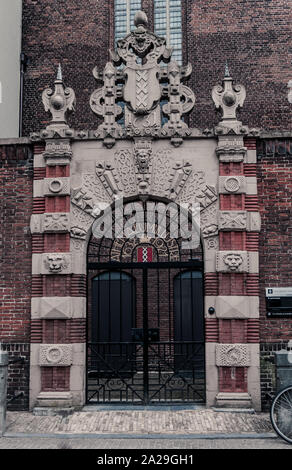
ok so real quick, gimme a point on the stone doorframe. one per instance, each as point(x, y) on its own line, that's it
point(60, 226)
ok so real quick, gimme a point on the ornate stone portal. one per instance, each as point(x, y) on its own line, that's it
point(133, 154)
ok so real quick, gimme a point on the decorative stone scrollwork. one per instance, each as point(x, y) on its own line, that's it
point(83, 200)
point(103, 103)
point(232, 355)
point(179, 176)
point(196, 190)
point(59, 103)
point(228, 98)
point(109, 178)
point(232, 220)
point(58, 149)
point(77, 232)
point(138, 85)
point(56, 222)
point(126, 169)
point(181, 101)
point(210, 230)
point(55, 355)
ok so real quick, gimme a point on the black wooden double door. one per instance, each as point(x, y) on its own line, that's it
point(146, 334)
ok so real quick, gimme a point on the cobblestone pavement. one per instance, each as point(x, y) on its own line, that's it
point(199, 421)
point(117, 444)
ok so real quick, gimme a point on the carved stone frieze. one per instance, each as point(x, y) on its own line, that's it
point(233, 261)
point(196, 190)
point(109, 177)
point(80, 218)
point(83, 200)
point(56, 186)
point(126, 169)
point(179, 175)
point(55, 355)
point(56, 263)
point(210, 230)
point(58, 152)
point(232, 220)
point(232, 355)
point(231, 154)
point(56, 222)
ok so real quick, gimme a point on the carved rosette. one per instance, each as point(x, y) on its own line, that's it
point(55, 355)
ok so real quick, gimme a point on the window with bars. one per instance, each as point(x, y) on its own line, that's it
point(168, 24)
point(125, 11)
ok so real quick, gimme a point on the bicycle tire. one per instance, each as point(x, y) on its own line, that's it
point(281, 414)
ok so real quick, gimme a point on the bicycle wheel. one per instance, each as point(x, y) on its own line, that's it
point(281, 414)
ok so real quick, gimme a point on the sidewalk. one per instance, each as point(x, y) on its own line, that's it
point(142, 423)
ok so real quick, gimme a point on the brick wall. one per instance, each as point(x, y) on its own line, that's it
point(15, 255)
point(275, 199)
point(252, 36)
point(76, 33)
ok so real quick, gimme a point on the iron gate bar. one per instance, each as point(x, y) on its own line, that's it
point(91, 345)
point(168, 364)
point(145, 337)
point(192, 388)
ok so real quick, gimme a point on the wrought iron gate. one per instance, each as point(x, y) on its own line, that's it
point(146, 333)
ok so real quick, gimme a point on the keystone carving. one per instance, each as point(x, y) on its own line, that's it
point(55, 355)
point(59, 103)
point(228, 98)
point(232, 355)
point(143, 161)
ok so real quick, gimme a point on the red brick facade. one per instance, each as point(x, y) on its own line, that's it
point(78, 34)
point(15, 276)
